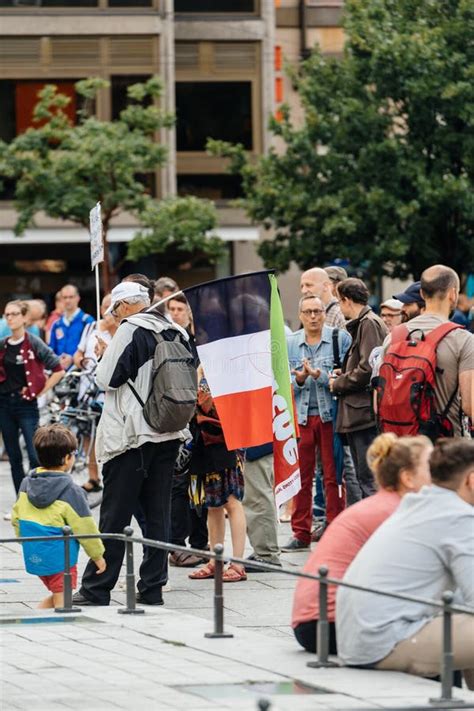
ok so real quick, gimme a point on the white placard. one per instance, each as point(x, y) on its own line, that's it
point(97, 244)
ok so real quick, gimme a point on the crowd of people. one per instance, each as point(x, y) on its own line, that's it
point(411, 494)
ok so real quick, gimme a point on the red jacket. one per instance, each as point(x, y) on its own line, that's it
point(37, 357)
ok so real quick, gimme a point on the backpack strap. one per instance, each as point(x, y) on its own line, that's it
point(135, 393)
point(330, 306)
point(438, 333)
point(335, 348)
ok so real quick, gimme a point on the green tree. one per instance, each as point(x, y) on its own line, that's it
point(63, 169)
point(381, 169)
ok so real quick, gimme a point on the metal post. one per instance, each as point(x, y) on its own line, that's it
point(447, 657)
point(218, 595)
point(131, 608)
point(322, 634)
point(67, 585)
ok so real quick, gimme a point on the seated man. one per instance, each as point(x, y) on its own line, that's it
point(423, 549)
point(400, 467)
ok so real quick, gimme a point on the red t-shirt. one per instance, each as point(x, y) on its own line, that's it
point(337, 549)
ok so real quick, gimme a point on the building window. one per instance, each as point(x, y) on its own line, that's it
point(214, 187)
point(128, 3)
point(18, 99)
point(119, 85)
point(49, 3)
point(221, 110)
point(196, 6)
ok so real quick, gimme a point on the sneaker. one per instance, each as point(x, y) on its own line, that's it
point(294, 544)
point(317, 532)
point(254, 558)
point(143, 601)
point(79, 599)
point(7, 516)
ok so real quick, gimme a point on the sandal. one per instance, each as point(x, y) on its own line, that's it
point(207, 571)
point(233, 574)
point(92, 486)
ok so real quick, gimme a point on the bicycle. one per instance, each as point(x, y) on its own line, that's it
point(80, 413)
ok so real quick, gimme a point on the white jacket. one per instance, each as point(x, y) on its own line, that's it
point(129, 356)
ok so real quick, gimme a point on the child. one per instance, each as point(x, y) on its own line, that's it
point(48, 500)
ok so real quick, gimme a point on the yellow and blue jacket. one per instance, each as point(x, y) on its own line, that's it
point(47, 501)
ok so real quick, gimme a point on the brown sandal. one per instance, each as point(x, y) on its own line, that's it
point(207, 571)
point(233, 574)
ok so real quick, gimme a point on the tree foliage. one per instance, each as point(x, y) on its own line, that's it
point(185, 224)
point(381, 170)
point(63, 169)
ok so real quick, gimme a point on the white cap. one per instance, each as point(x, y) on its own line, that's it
point(392, 304)
point(124, 291)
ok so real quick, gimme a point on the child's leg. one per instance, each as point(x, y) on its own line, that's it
point(58, 600)
point(47, 603)
point(237, 525)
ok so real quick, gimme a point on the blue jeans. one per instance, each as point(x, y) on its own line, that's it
point(18, 415)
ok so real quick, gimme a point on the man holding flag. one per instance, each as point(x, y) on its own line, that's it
point(311, 356)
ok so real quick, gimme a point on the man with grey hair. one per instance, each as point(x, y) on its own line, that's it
point(318, 282)
point(138, 461)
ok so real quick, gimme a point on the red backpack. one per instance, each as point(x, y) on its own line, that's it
point(406, 384)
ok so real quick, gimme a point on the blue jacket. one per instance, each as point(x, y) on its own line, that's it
point(46, 502)
point(65, 338)
point(297, 351)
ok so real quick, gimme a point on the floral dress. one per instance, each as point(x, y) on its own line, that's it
point(216, 472)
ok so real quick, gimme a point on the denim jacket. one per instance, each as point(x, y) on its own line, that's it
point(297, 351)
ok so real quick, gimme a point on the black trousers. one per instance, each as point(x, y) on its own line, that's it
point(138, 476)
point(305, 634)
point(185, 522)
point(359, 442)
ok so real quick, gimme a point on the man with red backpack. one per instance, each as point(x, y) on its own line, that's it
point(426, 379)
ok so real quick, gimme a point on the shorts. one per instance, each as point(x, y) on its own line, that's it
point(55, 583)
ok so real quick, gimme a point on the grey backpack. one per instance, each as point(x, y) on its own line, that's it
point(172, 399)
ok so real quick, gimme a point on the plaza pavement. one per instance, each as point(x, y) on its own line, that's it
point(99, 660)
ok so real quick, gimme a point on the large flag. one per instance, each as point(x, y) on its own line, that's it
point(241, 343)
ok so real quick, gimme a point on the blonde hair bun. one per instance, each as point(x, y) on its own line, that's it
point(380, 449)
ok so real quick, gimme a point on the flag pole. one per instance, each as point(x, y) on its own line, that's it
point(97, 292)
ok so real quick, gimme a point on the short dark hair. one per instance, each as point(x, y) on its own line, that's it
point(144, 281)
point(436, 281)
point(178, 297)
point(449, 461)
point(353, 289)
point(52, 444)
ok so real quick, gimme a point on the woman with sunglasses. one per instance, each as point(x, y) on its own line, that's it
point(24, 358)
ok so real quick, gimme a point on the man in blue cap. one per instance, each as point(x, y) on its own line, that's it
point(412, 300)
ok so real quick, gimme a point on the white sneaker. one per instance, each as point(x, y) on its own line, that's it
point(7, 516)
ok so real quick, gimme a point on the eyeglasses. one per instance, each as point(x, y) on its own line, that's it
point(310, 312)
point(113, 311)
point(10, 314)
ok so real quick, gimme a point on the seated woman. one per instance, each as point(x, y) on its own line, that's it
point(400, 465)
point(217, 483)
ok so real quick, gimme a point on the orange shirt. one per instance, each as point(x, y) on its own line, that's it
point(337, 549)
